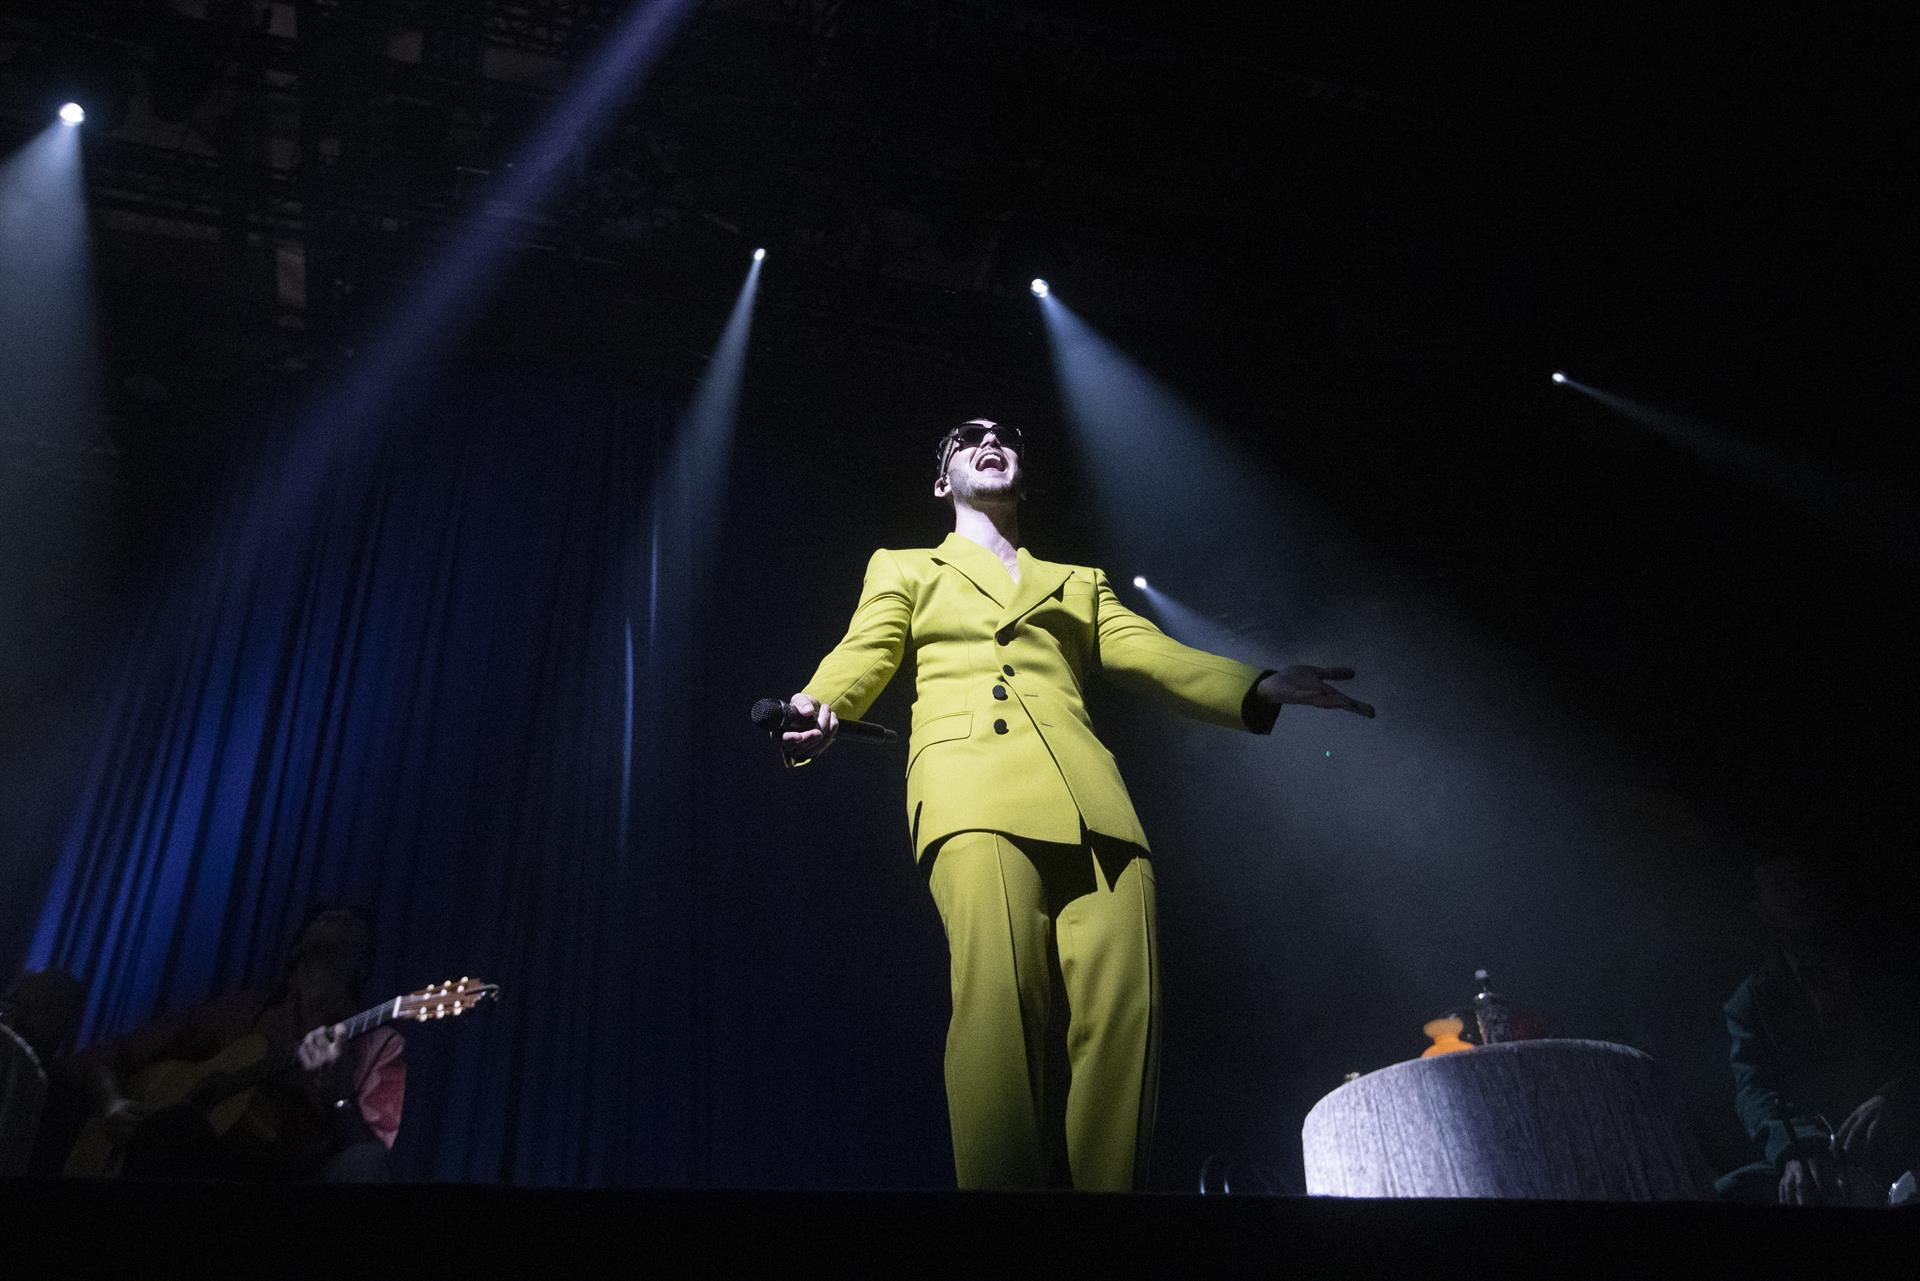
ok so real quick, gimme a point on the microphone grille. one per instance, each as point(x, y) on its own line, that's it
point(770, 714)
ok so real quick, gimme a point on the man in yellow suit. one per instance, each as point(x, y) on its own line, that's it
point(1033, 853)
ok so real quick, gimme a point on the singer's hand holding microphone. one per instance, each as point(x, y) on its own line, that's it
point(805, 744)
point(806, 727)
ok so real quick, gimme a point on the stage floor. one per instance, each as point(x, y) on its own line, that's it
point(218, 1230)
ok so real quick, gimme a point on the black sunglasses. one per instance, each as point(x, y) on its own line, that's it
point(970, 434)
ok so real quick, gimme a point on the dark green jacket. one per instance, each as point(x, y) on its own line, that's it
point(1786, 1088)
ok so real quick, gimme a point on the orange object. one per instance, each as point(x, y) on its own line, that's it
point(1446, 1037)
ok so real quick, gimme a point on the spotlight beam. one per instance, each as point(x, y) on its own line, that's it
point(53, 564)
point(1165, 480)
point(453, 286)
point(48, 378)
point(690, 491)
point(1191, 627)
point(707, 432)
point(689, 499)
point(613, 75)
point(1797, 479)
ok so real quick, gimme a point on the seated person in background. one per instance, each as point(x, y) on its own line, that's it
point(38, 1013)
point(328, 1114)
point(1826, 1048)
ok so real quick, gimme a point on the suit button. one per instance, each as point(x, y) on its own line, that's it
point(1004, 637)
point(999, 727)
point(1007, 668)
point(1000, 691)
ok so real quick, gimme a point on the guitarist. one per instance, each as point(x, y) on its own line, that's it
point(330, 1115)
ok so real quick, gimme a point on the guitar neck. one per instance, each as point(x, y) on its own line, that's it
point(350, 1027)
point(366, 1020)
point(430, 1002)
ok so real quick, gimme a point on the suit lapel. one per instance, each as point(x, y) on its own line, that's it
point(1039, 579)
point(980, 566)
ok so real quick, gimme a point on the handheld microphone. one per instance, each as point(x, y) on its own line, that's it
point(775, 716)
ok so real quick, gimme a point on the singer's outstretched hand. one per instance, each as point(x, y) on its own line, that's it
point(1308, 687)
point(807, 744)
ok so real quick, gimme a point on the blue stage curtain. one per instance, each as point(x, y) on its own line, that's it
point(411, 686)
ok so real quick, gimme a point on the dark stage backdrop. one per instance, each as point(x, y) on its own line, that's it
point(472, 676)
point(416, 693)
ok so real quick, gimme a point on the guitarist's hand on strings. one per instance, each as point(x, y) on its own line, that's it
point(320, 1048)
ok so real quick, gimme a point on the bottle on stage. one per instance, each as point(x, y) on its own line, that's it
point(1491, 1011)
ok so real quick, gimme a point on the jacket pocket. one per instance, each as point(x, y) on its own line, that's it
point(941, 729)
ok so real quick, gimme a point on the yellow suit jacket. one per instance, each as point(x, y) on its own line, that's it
point(1001, 740)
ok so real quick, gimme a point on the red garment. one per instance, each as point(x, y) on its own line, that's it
point(380, 1084)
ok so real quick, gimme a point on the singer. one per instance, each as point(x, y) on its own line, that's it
point(1035, 858)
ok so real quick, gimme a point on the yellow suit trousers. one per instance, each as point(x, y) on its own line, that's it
point(1056, 1011)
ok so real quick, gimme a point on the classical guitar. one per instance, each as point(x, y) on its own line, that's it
point(227, 1086)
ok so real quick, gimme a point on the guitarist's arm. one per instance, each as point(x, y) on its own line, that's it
point(110, 1100)
point(104, 1068)
point(193, 1033)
